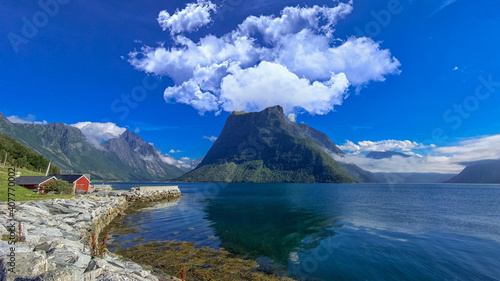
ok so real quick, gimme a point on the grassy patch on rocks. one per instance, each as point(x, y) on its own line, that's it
point(168, 258)
point(21, 193)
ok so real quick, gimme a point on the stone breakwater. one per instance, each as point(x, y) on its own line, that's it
point(57, 237)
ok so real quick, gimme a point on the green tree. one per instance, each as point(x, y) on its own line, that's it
point(21, 156)
point(59, 186)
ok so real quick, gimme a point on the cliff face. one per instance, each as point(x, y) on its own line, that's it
point(265, 147)
point(144, 158)
point(483, 172)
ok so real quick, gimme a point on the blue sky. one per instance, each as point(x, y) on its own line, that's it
point(400, 70)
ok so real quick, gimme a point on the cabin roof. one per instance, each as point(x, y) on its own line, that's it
point(32, 180)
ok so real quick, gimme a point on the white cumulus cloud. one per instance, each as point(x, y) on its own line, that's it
point(211, 138)
point(292, 59)
point(96, 132)
point(30, 119)
point(189, 19)
point(174, 151)
point(293, 20)
point(255, 88)
point(483, 148)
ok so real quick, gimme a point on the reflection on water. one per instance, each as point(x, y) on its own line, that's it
point(161, 205)
point(273, 227)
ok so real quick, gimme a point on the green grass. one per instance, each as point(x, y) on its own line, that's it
point(21, 193)
point(239, 112)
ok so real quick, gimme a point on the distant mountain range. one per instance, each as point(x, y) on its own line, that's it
point(252, 147)
point(265, 147)
point(394, 178)
point(487, 171)
point(385, 154)
point(125, 158)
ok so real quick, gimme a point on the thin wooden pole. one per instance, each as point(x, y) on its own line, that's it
point(47, 172)
point(5, 160)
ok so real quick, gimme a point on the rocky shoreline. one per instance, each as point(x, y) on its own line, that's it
point(57, 234)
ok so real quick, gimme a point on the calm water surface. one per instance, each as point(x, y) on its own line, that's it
point(338, 231)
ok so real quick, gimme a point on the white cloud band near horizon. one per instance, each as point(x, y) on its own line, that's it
point(444, 160)
point(384, 145)
point(292, 59)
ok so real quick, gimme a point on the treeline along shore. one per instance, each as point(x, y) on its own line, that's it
point(57, 239)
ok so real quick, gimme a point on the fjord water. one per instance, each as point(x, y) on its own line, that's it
point(338, 231)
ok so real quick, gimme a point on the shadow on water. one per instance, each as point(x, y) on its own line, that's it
point(260, 221)
point(130, 223)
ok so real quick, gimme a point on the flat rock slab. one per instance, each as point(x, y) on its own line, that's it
point(28, 265)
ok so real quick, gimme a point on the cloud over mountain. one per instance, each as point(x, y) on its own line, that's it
point(293, 60)
point(383, 145)
point(30, 119)
point(97, 133)
point(449, 159)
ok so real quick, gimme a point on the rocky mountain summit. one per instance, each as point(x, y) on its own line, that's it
point(265, 147)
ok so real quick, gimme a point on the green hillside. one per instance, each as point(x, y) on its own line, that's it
point(20, 193)
point(21, 156)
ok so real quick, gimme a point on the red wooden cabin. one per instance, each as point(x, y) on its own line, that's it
point(80, 182)
point(35, 183)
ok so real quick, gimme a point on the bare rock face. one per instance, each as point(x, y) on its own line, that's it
point(480, 172)
point(65, 274)
point(28, 265)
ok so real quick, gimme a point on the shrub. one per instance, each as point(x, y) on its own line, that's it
point(59, 186)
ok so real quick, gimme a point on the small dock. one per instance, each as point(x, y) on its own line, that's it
point(161, 188)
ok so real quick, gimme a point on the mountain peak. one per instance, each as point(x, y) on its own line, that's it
point(386, 154)
point(264, 147)
point(486, 171)
point(61, 129)
point(4, 119)
point(275, 109)
point(127, 135)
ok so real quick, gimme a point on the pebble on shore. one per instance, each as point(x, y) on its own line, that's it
point(55, 232)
